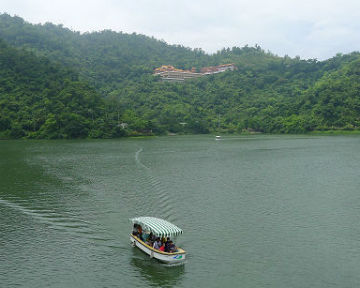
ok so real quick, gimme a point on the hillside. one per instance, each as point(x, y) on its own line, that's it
point(102, 58)
point(39, 99)
point(266, 93)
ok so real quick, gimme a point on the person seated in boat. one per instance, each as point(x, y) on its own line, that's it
point(135, 230)
point(149, 238)
point(162, 247)
point(163, 240)
point(140, 233)
point(167, 244)
point(152, 237)
point(172, 247)
point(157, 244)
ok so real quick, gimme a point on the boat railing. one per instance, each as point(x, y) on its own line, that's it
point(180, 251)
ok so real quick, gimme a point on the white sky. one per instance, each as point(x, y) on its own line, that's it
point(308, 28)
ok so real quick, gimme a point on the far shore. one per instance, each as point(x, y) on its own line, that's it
point(222, 133)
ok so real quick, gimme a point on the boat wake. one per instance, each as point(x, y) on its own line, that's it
point(65, 221)
point(155, 194)
point(137, 160)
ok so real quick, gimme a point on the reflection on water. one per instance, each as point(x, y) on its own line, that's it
point(156, 273)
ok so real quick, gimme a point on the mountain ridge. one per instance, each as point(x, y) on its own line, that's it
point(267, 93)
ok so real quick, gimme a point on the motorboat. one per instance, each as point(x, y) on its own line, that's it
point(144, 226)
point(217, 137)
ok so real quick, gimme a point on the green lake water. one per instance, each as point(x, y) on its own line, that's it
point(257, 211)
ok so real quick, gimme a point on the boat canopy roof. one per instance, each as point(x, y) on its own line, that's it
point(157, 226)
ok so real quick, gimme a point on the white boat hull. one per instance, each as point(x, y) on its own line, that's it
point(170, 258)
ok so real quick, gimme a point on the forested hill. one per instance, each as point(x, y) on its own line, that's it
point(39, 99)
point(103, 58)
point(266, 93)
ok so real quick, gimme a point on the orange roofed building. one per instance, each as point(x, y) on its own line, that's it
point(218, 69)
point(170, 73)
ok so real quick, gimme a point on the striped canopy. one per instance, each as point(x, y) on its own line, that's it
point(158, 226)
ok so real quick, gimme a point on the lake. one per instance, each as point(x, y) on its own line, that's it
point(257, 211)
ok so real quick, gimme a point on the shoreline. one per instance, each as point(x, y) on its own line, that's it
point(314, 133)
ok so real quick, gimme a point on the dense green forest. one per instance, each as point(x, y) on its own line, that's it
point(39, 99)
point(57, 83)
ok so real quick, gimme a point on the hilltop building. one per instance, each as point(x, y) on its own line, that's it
point(170, 73)
point(218, 69)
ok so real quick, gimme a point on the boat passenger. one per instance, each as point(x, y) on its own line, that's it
point(172, 247)
point(151, 237)
point(135, 231)
point(148, 240)
point(162, 247)
point(167, 243)
point(157, 244)
point(140, 235)
point(163, 240)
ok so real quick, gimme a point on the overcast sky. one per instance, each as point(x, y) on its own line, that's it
point(308, 28)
